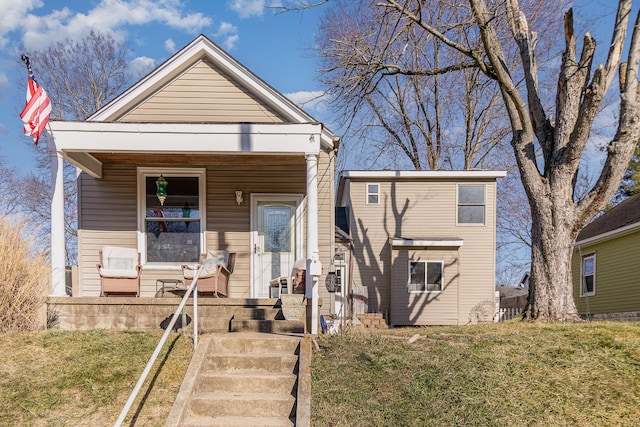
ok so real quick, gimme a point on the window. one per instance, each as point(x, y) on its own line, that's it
point(471, 204)
point(425, 276)
point(588, 275)
point(171, 232)
point(373, 194)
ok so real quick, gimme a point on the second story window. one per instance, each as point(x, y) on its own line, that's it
point(471, 204)
point(373, 194)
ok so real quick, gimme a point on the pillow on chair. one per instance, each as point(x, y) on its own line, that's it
point(210, 264)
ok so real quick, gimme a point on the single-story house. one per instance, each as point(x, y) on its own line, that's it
point(605, 264)
point(422, 244)
point(244, 170)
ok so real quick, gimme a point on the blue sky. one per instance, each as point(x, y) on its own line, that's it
point(276, 46)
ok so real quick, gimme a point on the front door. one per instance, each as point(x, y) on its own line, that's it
point(276, 239)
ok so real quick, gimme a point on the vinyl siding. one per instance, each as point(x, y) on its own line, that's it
point(420, 209)
point(617, 288)
point(435, 308)
point(108, 209)
point(202, 93)
point(326, 222)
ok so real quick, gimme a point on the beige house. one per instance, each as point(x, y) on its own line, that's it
point(247, 171)
point(423, 243)
point(605, 264)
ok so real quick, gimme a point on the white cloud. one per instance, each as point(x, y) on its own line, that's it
point(228, 34)
point(310, 100)
point(230, 42)
point(140, 66)
point(247, 8)
point(13, 15)
point(170, 45)
point(110, 16)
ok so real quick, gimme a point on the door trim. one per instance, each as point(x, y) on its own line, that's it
point(274, 197)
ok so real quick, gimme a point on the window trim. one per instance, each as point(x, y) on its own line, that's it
point(142, 173)
point(582, 276)
point(484, 205)
point(426, 269)
point(366, 200)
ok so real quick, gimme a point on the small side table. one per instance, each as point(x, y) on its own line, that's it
point(169, 285)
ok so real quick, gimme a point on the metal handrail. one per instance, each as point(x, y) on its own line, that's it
point(156, 352)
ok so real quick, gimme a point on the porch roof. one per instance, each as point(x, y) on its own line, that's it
point(82, 143)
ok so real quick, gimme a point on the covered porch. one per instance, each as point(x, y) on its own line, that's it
point(234, 187)
point(244, 171)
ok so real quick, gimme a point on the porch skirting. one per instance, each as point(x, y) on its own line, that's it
point(215, 314)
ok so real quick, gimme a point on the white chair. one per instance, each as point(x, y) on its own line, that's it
point(119, 270)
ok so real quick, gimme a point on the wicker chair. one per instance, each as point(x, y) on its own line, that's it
point(214, 278)
point(119, 270)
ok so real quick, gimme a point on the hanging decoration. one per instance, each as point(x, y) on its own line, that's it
point(161, 184)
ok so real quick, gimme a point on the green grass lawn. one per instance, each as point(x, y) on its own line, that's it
point(496, 374)
point(485, 375)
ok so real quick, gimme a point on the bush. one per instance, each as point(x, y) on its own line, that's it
point(24, 278)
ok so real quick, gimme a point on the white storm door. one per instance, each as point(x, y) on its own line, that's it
point(276, 240)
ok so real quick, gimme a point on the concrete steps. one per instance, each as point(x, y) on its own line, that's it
point(240, 379)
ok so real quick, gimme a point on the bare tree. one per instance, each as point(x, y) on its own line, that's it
point(384, 72)
point(80, 77)
point(558, 212)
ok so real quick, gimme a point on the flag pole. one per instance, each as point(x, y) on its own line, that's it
point(35, 117)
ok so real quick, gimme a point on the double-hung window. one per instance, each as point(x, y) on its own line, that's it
point(588, 279)
point(373, 194)
point(471, 204)
point(171, 231)
point(425, 276)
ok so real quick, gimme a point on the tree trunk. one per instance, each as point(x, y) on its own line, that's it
point(551, 284)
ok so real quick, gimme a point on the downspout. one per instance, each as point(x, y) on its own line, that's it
point(58, 288)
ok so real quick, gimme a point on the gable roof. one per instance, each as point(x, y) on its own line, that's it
point(202, 51)
point(178, 101)
point(622, 217)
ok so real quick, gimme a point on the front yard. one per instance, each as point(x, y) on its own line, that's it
point(495, 374)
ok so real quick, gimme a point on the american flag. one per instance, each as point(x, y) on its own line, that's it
point(37, 109)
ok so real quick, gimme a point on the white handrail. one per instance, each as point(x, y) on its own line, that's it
point(156, 352)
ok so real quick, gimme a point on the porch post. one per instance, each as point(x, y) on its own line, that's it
point(58, 288)
point(313, 256)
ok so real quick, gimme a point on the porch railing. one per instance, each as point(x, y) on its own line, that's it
point(191, 289)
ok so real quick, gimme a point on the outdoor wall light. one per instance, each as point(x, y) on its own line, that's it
point(239, 198)
point(161, 193)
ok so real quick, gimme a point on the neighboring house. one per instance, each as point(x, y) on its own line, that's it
point(605, 264)
point(247, 171)
point(423, 243)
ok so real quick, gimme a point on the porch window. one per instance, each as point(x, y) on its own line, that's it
point(173, 231)
point(425, 276)
point(471, 204)
point(588, 275)
point(373, 194)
